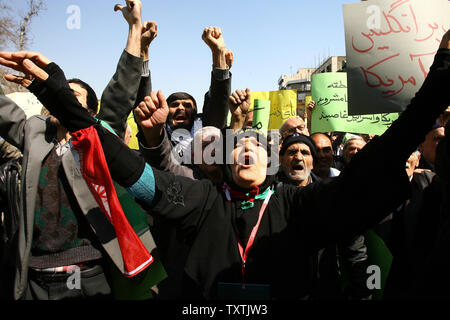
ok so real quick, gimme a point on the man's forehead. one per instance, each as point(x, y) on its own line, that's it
point(182, 101)
point(299, 146)
point(245, 138)
point(295, 121)
point(321, 139)
point(356, 142)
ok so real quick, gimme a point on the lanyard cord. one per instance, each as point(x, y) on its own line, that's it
point(242, 252)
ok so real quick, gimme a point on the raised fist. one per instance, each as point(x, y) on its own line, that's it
point(149, 33)
point(239, 102)
point(152, 112)
point(213, 38)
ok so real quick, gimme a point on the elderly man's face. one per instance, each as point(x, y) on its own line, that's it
point(428, 147)
point(294, 125)
point(297, 163)
point(249, 168)
point(211, 170)
point(352, 147)
point(181, 114)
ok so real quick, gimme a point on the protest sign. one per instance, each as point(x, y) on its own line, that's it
point(308, 99)
point(261, 115)
point(133, 144)
point(390, 47)
point(283, 105)
point(28, 102)
point(329, 91)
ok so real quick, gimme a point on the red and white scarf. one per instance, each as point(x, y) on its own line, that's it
point(95, 171)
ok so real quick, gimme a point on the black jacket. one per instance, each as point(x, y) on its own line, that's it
point(298, 221)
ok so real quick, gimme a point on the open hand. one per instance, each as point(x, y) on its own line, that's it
point(131, 12)
point(31, 64)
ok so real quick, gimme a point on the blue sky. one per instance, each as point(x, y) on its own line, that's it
point(268, 38)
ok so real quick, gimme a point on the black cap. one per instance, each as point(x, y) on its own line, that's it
point(298, 138)
point(181, 96)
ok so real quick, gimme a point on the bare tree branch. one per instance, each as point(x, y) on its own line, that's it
point(15, 30)
point(33, 7)
point(6, 26)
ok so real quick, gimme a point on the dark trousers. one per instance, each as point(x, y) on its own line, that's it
point(93, 285)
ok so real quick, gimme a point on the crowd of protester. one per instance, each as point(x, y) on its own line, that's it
point(200, 198)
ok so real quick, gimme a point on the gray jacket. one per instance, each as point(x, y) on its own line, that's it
point(35, 139)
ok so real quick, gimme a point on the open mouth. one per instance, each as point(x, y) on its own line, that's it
point(180, 118)
point(247, 161)
point(297, 168)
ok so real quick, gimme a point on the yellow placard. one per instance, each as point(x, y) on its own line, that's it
point(283, 105)
point(134, 144)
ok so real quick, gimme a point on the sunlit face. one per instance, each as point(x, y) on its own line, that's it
point(297, 163)
point(249, 168)
point(352, 147)
point(325, 153)
point(80, 93)
point(181, 113)
point(292, 126)
point(428, 147)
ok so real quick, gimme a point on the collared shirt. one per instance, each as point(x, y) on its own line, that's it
point(61, 149)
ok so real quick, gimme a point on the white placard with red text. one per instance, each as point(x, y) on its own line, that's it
point(390, 47)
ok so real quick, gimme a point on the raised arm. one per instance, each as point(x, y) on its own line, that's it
point(177, 198)
point(149, 33)
point(119, 96)
point(309, 111)
point(215, 107)
point(12, 117)
point(151, 115)
point(376, 179)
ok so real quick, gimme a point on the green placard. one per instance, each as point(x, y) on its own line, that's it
point(329, 91)
point(378, 254)
point(261, 115)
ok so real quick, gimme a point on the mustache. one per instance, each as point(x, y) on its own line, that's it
point(179, 112)
point(182, 113)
